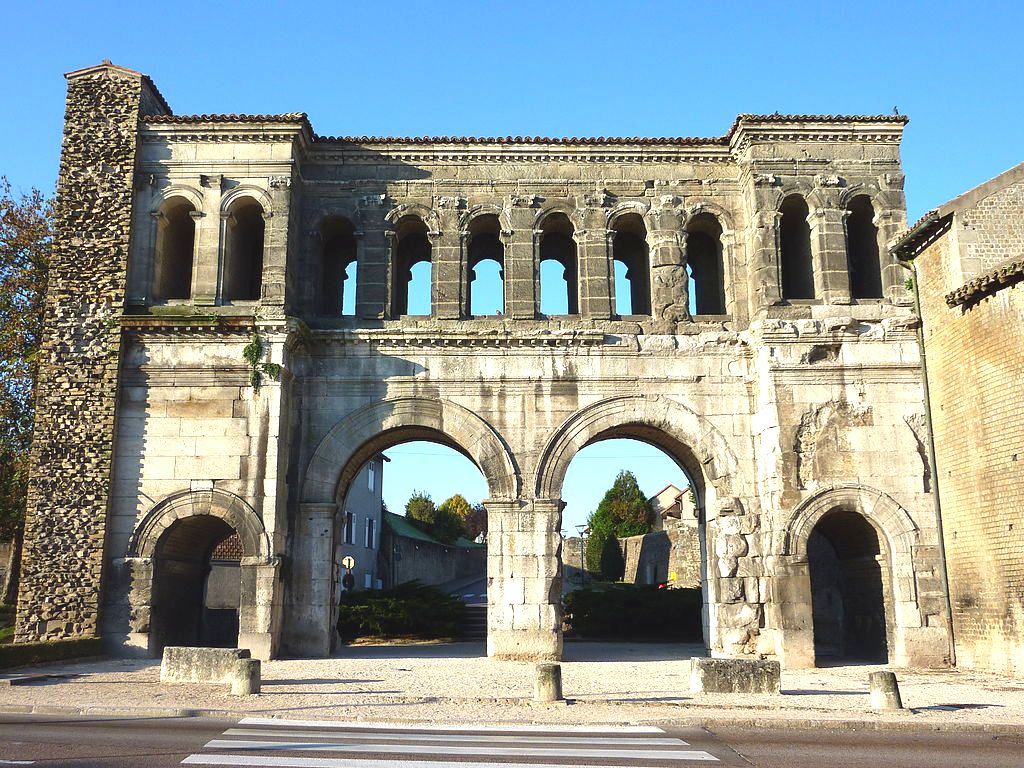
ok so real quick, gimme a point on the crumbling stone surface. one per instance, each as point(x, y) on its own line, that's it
point(734, 676)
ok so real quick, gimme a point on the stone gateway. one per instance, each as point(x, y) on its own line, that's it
point(208, 370)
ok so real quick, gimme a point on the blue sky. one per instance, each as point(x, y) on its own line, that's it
point(553, 68)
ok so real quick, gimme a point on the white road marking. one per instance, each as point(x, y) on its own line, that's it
point(423, 749)
point(17, 762)
point(448, 738)
point(349, 762)
point(512, 729)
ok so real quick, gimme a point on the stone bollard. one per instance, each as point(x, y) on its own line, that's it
point(885, 691)
point(548, 685)
point(246, 680)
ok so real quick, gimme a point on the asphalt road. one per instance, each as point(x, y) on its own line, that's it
point(155, 742)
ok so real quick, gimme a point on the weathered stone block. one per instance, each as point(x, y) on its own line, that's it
point(734, 676)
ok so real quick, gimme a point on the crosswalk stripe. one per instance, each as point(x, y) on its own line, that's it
point(554, 730)
point(448, 738)
point(423, 749)
point(349, 762)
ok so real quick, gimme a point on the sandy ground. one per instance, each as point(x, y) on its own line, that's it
point(604, 682)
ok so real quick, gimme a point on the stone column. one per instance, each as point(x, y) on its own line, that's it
point(828, 249)
point(275, 246)
point(207, 266)
point(596, 274)
point(520, 262)
point(670, 290)
point(448, 271)
point(374, 254)
point(311, 582)
point(256, 607)
point(889, 224)
point(765, 275)
point(524, 582)
point(789, 612)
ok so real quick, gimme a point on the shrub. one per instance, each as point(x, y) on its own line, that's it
point(626, 611)
point(410, 610)
point(624, 511)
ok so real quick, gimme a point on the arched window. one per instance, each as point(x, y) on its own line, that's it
point(243, 252)
point(338, 267)
point(412, 269)
point(795, 261)
point(704, 259)
point(486, 255)
point(632, 266)
point(862, 249)
point(559, 278)
point(175, 246)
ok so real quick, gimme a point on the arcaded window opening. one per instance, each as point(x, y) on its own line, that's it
point(849, 586)
point(795, 261)
point(411, 282)
point(175, 249)
point(632, 262)
point(862, 249)
point(486, 255)
point(559, 275)
point(243, 257)
point(339, 268)
point(705, 263)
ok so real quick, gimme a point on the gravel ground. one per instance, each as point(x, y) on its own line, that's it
point(605, 683)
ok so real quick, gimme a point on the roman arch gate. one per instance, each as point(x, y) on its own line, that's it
point(202, 321)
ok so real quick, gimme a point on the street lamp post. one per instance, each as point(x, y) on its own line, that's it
point(583, 531)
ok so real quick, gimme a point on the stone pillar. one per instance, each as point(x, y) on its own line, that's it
point(670, 293)
point(521, 262)
point(448, 270)
point(76, 394)
point(374, 254)
point(207, 267)
point(275, 247)
point(889, 224)
point(766, 287)
point(789, 612)
point(256, 607)
point(828, 249)
point(524, 581)
point(308, 629)
point(596, 274)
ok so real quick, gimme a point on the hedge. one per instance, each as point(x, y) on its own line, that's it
point(410, 610)
point(23, 654)
point(634, 612)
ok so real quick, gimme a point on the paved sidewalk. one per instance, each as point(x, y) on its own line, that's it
point(605, 682)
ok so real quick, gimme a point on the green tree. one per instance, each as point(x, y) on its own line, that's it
point(624, 511)
point(26, 225)
point(476, 522)
point(450, 523)
point(456, 505)
point(420, 510)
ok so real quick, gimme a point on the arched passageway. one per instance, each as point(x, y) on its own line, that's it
point(849, 589)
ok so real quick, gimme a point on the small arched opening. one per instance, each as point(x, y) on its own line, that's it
point(338, 267)
point(486, 257)
point(558, 266)
point(632, 266)
point(196, 584)
point(175, 249)
point(849, 589)
point(412, 269)
point(705, 265)
point(862, 249)
point(243, 252)
point(795, 260)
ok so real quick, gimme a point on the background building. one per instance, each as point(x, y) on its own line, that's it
point(968, 260)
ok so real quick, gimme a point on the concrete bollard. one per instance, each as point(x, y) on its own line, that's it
point(548, 685)
point(246, 680)
point(885, 691)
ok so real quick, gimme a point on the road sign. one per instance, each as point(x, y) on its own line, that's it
point(349, 562)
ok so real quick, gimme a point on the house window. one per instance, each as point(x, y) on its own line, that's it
point(368, 581)
point(370, 477)
point(371, 533)
point(350, 528)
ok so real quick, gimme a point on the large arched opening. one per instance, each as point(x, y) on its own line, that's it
point(850, 589)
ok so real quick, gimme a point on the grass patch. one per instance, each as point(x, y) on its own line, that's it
point(408, 612)
point(635, 612)
point(6, 623)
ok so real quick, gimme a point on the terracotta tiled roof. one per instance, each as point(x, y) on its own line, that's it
point(574, 140)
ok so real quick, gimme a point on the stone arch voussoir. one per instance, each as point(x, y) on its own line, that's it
point(718, 463)
point(891, 520)
point(186, 504)
point(331, 464)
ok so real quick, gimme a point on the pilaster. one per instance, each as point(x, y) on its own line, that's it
point(594, 244)
point(207, 266)
point(374, 251)
point(308, 631)
point(448, 272)
point(520, 257)
point(828, 246)
point(670, 294)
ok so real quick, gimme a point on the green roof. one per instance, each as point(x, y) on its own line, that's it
point(401, 526)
